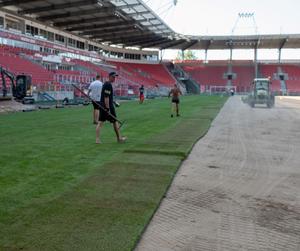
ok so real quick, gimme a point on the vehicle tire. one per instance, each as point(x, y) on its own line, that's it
point(65, 101)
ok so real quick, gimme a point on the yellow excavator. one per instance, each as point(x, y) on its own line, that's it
point(20, 86)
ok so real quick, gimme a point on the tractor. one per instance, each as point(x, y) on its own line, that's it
point(261, 93)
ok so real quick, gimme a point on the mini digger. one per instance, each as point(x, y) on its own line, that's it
point(20, 86)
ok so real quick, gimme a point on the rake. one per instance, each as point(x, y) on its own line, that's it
point(100, 106)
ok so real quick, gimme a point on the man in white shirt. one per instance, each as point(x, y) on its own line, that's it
point(94, 92)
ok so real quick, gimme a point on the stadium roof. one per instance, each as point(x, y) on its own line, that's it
point(244, 42)
point(127, 22)
point(132, 23)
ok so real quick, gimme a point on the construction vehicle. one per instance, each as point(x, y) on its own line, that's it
point(20, 86)
point(261, 93)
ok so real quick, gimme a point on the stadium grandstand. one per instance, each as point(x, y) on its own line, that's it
point(59, 43)
point(192, 152)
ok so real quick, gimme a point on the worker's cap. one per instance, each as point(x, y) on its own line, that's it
point(113, 74)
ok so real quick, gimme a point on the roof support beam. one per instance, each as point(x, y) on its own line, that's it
point(133, 42)
point(123, 38)
point(138, 42)
point(90, 20)
point(89, 12)
point(206, 56)
point(119, 35)
point(177, 42)
point(76, 13)
point(230, 46)
point(283, 43)
point(16, 2)
point(208, 43)
point(138, 13)
point(255, 62)
point(128, 6)
point(83, 20)
point(57, 7)
point(111, 23)
point(107, 29)
point(190, 44)
point(165, 40)
point(119, 32)
point(280, 48)
point(102, 25)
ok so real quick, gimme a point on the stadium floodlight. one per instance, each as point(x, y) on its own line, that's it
point(246, 14)
point(246, 17)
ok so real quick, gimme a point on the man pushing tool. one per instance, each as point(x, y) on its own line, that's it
point(108, 113)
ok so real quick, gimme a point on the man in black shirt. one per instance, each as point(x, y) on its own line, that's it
point(109, 113)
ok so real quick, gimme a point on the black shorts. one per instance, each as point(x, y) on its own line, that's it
point(103, 116)
point(175, 100)
point(96, 105)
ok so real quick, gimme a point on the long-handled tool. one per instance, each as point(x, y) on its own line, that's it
point(100, 106)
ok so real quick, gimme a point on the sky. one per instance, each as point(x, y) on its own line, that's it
point(220, 17)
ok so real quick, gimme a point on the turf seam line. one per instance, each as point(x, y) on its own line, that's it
point(169, 185)
point(158, 152)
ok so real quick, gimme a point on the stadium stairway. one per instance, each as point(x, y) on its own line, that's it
point(293, 78)
point(45, 96)
point(149, 75)
point(186, 80)
point(270, 70)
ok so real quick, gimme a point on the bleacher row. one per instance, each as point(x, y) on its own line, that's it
point(214, 74)
point(132, 75)
point(23, 61)
point(151, 74)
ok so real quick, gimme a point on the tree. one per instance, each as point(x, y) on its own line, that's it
point(188, 55)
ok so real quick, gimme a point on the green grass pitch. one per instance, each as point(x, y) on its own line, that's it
point(61, 191)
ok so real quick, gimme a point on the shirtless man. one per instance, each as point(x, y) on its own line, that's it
point(175, 93)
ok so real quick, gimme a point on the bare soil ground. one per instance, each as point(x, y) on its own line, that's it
point(13, 106)
point(240, 187)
